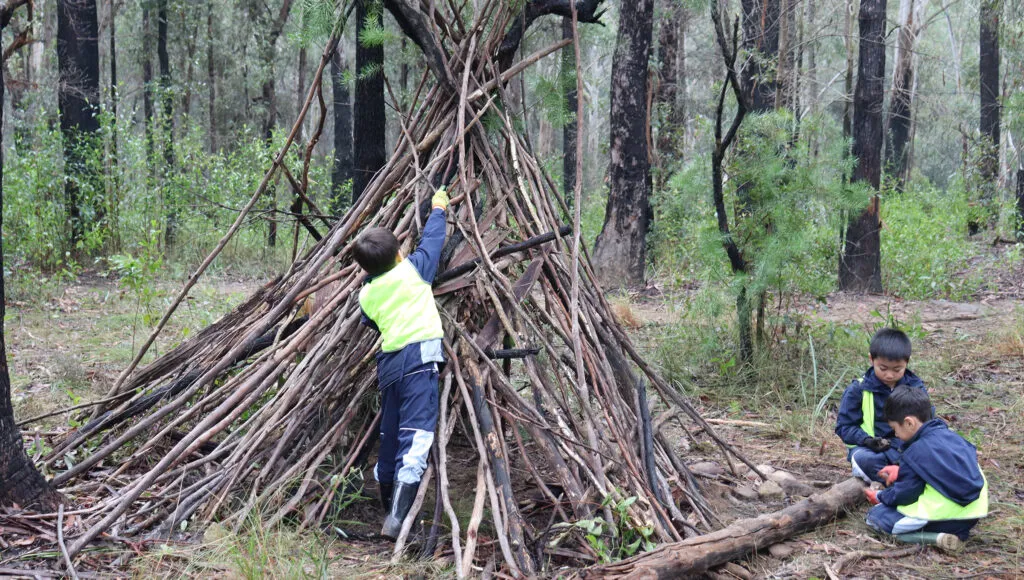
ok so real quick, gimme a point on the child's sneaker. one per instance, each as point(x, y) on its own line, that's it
point(949, 543)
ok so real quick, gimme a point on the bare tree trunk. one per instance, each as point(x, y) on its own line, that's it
point(761, 40)
point(620, 251)
point(898, 133)
point(667, 97)
point(1020, 202)
point(785, 95)
point(342, 104)
point(113, 188)
point(848, 85)
point(166, 124)
point(860, 266)
point(368, 132)
point(20, 481)
point(694, 556)
point(147, 79)
point(78, 61)
point(301, 92)
point(268, 50)
point(569, 129)
point(810, 46)
point(989, 81)
point(211, 77)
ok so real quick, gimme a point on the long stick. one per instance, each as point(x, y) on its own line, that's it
point(60, 542)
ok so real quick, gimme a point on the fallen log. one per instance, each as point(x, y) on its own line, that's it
point(696, 555)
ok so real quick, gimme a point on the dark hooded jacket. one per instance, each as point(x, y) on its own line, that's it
point(941, 458)
point(851, 415)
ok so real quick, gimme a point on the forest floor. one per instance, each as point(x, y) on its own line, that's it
point(68, 346)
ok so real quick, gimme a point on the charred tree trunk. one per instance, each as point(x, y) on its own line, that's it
point(342, 104)
point(860, 266)
point(695, 556)
point(620, 251)
point(989, 80)
point(569, 103)
point(848, 81)
point(668, 89)
point(211, 77)
point(898, 134)
point(761, 41)
point(20, 481)
point(78, 60)
point(166, 123)
point(368, 133)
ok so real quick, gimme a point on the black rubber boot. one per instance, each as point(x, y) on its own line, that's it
point(386, 490)
point(401, 502)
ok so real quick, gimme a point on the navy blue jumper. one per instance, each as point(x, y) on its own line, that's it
point(941, 458)
point(865, 462)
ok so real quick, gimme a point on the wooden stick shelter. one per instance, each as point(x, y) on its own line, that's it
point(273, 411)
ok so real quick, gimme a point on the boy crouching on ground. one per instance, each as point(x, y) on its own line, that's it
point(397, 300)
point(938, 491)
point(871, 442)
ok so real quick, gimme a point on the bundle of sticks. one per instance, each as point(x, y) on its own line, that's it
point(272, 409)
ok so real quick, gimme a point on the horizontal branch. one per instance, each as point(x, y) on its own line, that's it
point(457, 271)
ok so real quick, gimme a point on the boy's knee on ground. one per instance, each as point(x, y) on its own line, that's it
point(866, 463)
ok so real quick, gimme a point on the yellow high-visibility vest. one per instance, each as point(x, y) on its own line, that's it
point(933, 506)
point(402, 306)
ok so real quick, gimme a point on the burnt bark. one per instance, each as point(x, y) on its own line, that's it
point(670, 112)
point(901, 101)
point(211, 77)
point(20, 481)
point(368, 132)
point(569, 104)
point(761, 42)
point(860, 265)
point(147, 80)
point(620, 252)
point(166, 121)
point(989, 80)
point(848, 79)
point(342, 105)
point(78, 95)
point(588, 11)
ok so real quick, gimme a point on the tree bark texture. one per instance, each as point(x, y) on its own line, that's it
point(301, 92)
point(786, 68)
point(761, 42)
point(901, 101)
point(1020, 202)
point(672, 115)
point(211, 77)
point(369, 122)
point(20, 481)
point(342, 106)
point(166, 120)
point(860, 266)
point(989, 80)
point(78, 62)
point(620, 250)
point(848, 79)
point(569, 129)
point(147, 80)
point(695, 556)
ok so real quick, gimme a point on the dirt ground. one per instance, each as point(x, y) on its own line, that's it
point(68, 349)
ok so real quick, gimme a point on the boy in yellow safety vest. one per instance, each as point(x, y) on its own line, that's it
point(871, 443)
point(397, 300)
point(938, 492)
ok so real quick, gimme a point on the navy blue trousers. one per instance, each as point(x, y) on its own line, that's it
point(887, 520)
point(408, 419)
point(866, 463)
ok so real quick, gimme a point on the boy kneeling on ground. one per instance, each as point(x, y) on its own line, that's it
point(938, 492)
point(860, 424)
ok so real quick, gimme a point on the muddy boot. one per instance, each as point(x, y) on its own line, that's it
point(386, 490)
point(401, 502)
point(945, 542)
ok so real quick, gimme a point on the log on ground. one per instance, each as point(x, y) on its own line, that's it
point(697, 555)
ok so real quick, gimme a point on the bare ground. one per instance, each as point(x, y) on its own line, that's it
point(69, 349)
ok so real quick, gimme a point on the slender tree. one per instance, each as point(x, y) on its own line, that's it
point(78, 60)
point(761, 42)
point(620, 251)
point(166, 122)
point(860, 265)
point(211, 77)
point(342, 105)
point(368, 131)
point(670, 112)
point(569, 103)
point(20, 481)
point(988, 68)
point(901, 101)
point(147, 78)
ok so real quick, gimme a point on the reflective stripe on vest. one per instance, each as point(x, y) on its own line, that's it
point(933, 506)
point(867, 408)
point(402, 306)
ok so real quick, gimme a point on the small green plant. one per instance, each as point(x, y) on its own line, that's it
point(137, 273)
point(615, 541)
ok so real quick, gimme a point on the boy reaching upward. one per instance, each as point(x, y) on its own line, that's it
point(938, 491)
point(397, 300)
point(861, 425)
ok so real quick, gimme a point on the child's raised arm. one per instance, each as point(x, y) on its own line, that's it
point(428, 253)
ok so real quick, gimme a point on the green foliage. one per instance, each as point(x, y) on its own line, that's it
point(619, 540)
point(925, 250)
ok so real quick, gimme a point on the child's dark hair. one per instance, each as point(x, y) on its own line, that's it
point(375, 251)
point(891, 344)
point(908, 402)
